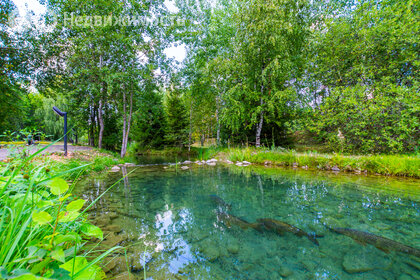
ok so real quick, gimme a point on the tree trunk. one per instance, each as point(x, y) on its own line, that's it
point(100, 113)
point(101, 124)
point(259, 126)
point(92, 127)
point(126, 123)
point(217, 122)
point(190, 132)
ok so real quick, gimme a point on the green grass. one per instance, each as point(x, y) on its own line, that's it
point(395, 165)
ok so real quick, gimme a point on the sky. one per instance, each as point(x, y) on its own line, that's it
point(178, 53)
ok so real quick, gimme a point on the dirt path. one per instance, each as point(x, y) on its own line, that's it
point(4, 153)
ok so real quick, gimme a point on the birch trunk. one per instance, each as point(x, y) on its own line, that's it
point(217, 122)
point(190, 132)
point(126, 123)
point(259, 126)
point(101, 124)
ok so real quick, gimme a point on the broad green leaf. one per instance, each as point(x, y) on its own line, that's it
point(58, 186)
point(58, 254)
point(43, 203)
point(40, 266)
point(75, 205)
point(68, 216)
point(91, 230)
point(70, 237)
point(41, 218)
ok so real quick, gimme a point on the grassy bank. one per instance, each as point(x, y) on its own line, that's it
point(390, 165)
point(43, 227)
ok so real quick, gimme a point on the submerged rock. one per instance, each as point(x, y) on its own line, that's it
point(127, 275)
point(113, 240)
point(187, 162)
point(184, 167)
point(365, 260)
point(113, 228)
point(353, 264)
point(212, 253)
point(284, 271)
point(229, 162)
point(233, 247)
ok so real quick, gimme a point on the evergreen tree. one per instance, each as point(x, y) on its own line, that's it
point(149, 121)
point(177, 119)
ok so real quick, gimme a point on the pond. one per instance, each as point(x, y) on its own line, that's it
point(250, 223)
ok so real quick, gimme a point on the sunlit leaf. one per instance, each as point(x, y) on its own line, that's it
point(68, 216)
point(75, 205)
point(41, 218)
point(91, 230)
point(58, 254)
point(58, 186)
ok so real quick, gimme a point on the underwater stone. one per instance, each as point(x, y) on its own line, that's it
point(353, 264)
point(113, 228)
point(212, 253)
point(331, 222)
point(364, 260)
point(112, 215)
point(113, 240)
point(284, 271)
point(184, 167)
point(233, 247)
point(126, 275)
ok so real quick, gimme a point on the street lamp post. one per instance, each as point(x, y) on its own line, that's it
point(64, 115)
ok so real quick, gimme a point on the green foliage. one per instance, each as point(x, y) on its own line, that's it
point(355, 119)
point(367, 62)
point(149, 123)
point(176, 119)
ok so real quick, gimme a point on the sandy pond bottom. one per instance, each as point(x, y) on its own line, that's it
point(174, 228)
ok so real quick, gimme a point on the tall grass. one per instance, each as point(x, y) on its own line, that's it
point(396, 165)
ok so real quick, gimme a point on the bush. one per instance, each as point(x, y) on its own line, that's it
point(359, 120)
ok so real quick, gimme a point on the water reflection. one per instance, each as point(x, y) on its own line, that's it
point(174, 228)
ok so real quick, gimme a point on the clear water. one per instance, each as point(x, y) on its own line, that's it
point(176, 231)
